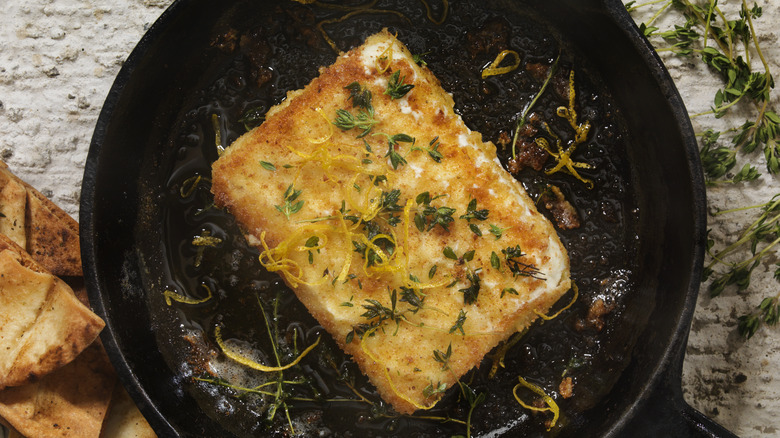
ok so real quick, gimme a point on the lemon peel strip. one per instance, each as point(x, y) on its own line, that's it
point(493, 69)
point(555, 315)
point(551, 405)
point(173, 296)
point(255, 365)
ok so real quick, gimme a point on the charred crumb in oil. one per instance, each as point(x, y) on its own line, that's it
point(257, 51)
point(563, 212)
point(610, 293)
point(492, 37)
point(595, 316)
point(226, 41)
point(302, 27)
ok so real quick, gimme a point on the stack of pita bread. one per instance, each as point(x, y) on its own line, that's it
point(55, 377)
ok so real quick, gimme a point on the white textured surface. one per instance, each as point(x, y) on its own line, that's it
point(57, 63)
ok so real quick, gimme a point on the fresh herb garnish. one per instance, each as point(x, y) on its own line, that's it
point(290, 206)
point(760, 238)
point(432, 150)
point(768, 312)
point(458, 326)
point(512, 257)
point(471, 293)
point(473, 399)
point(412, 297)
point(495, 261)
point(360, 96)
point(449, 253)
point(377, 313)
point(418, 59)
point(364, 121)
point(396, 88)
point(443, 357)
point(268, 166)
point(496, 231)
point(433, 389)
point(396, 159)
point(429, 216)
point(252, 118)
point(473, 213)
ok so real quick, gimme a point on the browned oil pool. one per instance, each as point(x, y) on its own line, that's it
point(265, 50)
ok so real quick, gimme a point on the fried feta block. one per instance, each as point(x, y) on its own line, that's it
point(393, 222)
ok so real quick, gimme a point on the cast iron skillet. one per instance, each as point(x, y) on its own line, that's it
point(165, 67)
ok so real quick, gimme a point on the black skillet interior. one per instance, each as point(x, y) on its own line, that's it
point(177, 59)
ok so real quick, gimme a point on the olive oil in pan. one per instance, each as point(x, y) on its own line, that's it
point(206, 255)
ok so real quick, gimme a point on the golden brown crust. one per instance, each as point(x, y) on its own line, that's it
point(334, 171)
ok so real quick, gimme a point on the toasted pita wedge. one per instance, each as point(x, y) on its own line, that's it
point(36, 224)
point(70, 402)
point(12, 433)
point(13, 202)
point(123, 419)
point(43, 326)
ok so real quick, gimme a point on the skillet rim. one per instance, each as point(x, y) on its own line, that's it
point(675, 346)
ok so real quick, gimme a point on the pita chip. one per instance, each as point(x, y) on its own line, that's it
point(123, 419)
point(11, 432)
point(43, 326)
point(70, 402)
point(13, 203)
point(39, 226)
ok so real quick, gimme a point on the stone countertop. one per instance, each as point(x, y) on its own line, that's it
point(59, 58)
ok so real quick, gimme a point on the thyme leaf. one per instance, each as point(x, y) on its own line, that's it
point(429, 216)
point(473, 213)
point(443, 357)
point(458, 326)
point(290, 206)
point(396, 88)
point(471, 293)
point(512, 257)
point(496, 231)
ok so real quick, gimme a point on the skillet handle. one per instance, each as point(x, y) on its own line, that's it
point(665, 413)
point(668, 415)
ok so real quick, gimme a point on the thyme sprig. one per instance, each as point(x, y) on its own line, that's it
point(291, 204)
point(443, 357)
point(429, 216)
point(716, 39)
point(396, 88)
point(432, 150)
point(473, 399)
point(512, 255)
point(760, 238)
point(768, 312)
point(364, 120)
point(729, 45)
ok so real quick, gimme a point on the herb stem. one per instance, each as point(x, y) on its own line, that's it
point(658, 14)
point(719, 109)
point(527, 109)
point(748, 235)
point(648, 3)
point(755, 38)
point(728, 34)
